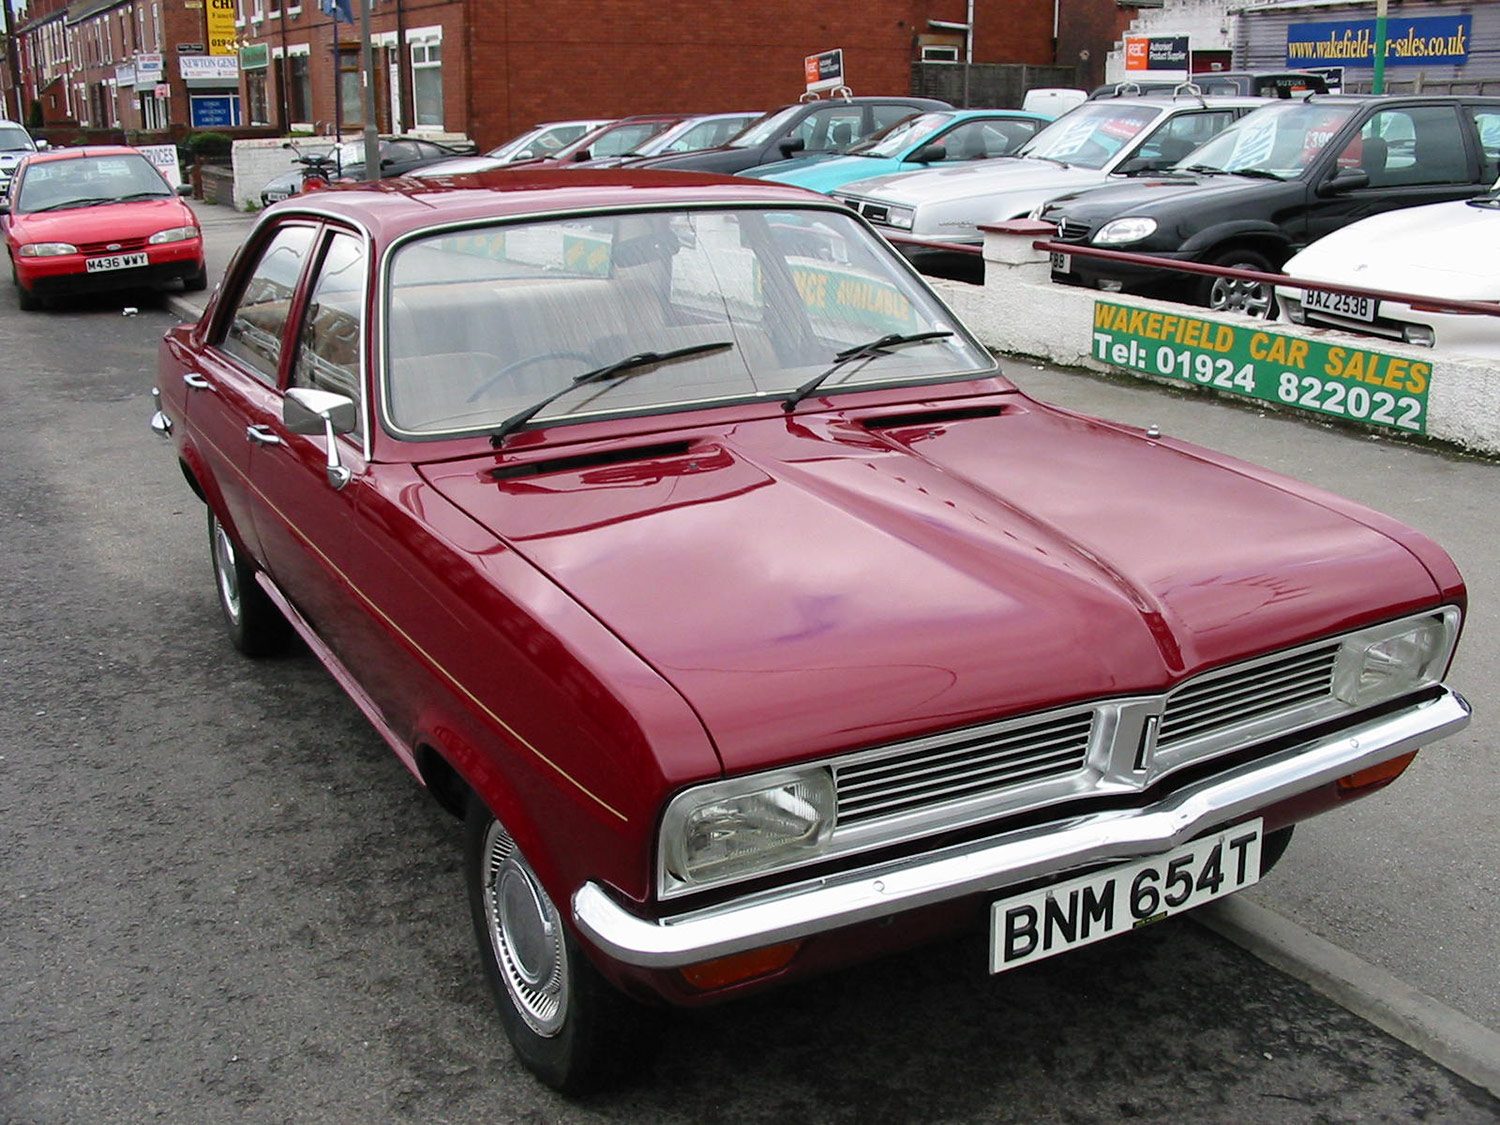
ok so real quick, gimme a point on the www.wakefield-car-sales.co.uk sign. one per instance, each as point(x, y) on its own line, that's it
point(1336, 379)
point(1424, 41)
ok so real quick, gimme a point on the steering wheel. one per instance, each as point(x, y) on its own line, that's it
point(511, 368)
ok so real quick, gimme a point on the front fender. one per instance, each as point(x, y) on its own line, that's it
point(1202, 244)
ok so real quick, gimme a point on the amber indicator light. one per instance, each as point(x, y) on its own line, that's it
point(724, 971)
point(1376, 775)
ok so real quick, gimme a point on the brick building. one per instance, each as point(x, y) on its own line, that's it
point(487, 68)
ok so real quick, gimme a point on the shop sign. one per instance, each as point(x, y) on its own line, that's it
point(213, 111)
point(148, 69)
point(163, 91)
point(222, 37)
point(209, 68)
point(1423, 41)
point(257, 56)
point(164, 157)
point(190, 48)
point(825, 70)
point(125, 75)
point(1340, 380)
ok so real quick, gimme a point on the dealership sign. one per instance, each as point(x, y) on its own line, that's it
point(1144, 53)
point(1424, 41)
point(209, 68)
point(824, 71)
point(1341, 380)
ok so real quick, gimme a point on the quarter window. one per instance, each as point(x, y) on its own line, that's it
point(259, 320)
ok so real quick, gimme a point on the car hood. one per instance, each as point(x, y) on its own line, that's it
point(724, 159)
point(977, 180)
point(136, 219)
point(831, 172)
point(795, 164)
point(811, 584)
point(1442, 250)
point(1138, 195)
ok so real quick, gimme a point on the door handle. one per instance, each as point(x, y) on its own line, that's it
point(261, 434)
point(197, 382)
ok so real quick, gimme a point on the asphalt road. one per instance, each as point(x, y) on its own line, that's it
point(226, 900)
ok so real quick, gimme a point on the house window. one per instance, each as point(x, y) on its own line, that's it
point(255, 92)
point(427, 83)
point(299, 88)
point(350, 87)
point(940, 54)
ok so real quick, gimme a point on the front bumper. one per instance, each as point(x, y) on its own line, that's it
point(1130, 277)
point(815, 906)
point(66, 274)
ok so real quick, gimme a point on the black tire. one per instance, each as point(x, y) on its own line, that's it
point(1248, 297)
point(1273, 846)
point(196, 282)
point(568, 1026)
point(256, 627)
point(28, 300)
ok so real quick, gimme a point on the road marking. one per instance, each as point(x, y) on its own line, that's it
point(1448, 1037)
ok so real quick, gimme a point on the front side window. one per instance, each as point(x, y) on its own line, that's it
point(1413, 145)
point(258, 322)
point(832, 129)
point(328, 347)
point(1180, 135)
point(482, 323)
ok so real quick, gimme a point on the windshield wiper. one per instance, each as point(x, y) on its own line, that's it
point(621, 368)
point(860, 351)
point(1039, 156)
point(1255, 173)
point(1202, 169)
point(133, 196)
point(66, 203)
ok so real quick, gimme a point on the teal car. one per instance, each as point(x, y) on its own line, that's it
point(918, 142)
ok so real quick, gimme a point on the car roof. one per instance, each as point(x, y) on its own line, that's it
point(1182, 101)
point(52, 154)
point(389, 209)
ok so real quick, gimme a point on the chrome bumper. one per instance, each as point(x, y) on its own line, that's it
point(813, 906)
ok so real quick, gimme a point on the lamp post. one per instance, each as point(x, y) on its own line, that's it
point(367, 94)
point(1377, 85)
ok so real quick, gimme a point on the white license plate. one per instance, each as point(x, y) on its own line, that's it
point(115, 262)
point(277, 196)
point(1082, 911)
point(1340, 304)
point(1062, 263)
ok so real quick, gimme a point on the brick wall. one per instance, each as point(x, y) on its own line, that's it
point(990, 86)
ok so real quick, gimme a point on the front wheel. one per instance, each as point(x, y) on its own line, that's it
point(568, 1026)
point(1227, 294)
point(197, 281)
point(256, 627)
point(28, 300)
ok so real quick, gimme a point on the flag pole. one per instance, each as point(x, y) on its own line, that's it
point(367, 93)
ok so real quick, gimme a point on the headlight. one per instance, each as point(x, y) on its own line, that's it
point(901, 217)
point(735, 829)
point(173, 234)
point(47, 249)
point(1121, 231)
point(1391, 660)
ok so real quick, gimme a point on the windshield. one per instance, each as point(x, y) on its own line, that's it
point(625, 138)
point(1281, 140)
point(771, 125)
point(489, 321)
point(56, 185)
point(15, 139)
point(902, 135)
point(1091, 135)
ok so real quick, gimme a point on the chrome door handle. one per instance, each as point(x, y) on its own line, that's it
point(261, 434)
point(197, 382)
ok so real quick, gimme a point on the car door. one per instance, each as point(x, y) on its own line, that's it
point(232, 397)
point(1412, 154)
point(322, 536)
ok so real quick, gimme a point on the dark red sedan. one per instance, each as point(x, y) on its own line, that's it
point(87, 220)
point(680, 541)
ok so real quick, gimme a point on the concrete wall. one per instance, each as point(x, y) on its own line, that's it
point(1208, 24)
point(1019, 311)
point(258, 162)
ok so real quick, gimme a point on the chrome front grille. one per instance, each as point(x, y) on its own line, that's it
point(1218, 701)
point(1072, 231)
point(960, 767)
point(113, 246)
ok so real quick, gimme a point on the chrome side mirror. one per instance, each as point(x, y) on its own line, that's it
point(313, 412)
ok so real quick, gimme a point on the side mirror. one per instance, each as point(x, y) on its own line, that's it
point(524, 154)
point(184, 189)
point(1345, 179)
point(387, 162)
point(929, 154)
point(1143, 164)
point(789, 147)
point(581, 155)
point(312, 412)
point(43, 145)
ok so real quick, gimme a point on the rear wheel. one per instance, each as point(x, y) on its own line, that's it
point(256, 627)
point(1253, 298)
point(567, 1024)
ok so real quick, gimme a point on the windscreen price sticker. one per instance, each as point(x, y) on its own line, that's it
point(1333, 379)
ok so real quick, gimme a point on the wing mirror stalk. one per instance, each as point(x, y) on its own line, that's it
point(312, 412)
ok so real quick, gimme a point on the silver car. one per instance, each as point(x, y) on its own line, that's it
point(15, 145)
point(1088, 146)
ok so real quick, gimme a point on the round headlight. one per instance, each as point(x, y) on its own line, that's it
point(1120, 232)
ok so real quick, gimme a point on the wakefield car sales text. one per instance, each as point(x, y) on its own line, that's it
point(1360, 44)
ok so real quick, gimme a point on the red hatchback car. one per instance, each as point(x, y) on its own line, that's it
point(87, 220)
point(677, 538)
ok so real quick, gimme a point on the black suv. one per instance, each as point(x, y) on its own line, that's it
point(818, 126)
point(1225, 83)
point(1278, 179)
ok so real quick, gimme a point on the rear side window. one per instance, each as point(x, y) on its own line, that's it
point(258, 323)
point(1487, 122)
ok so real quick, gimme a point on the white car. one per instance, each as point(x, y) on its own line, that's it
point(1443, 250)
point(15, 145)
point(537, 142)
point(1091, 145)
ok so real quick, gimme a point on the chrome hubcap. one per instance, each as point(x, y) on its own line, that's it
point(229, 583)
point(1234, 295)
point(526, 934)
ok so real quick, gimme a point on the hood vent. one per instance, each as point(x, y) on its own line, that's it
point(591, 460)
point(930, 417)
